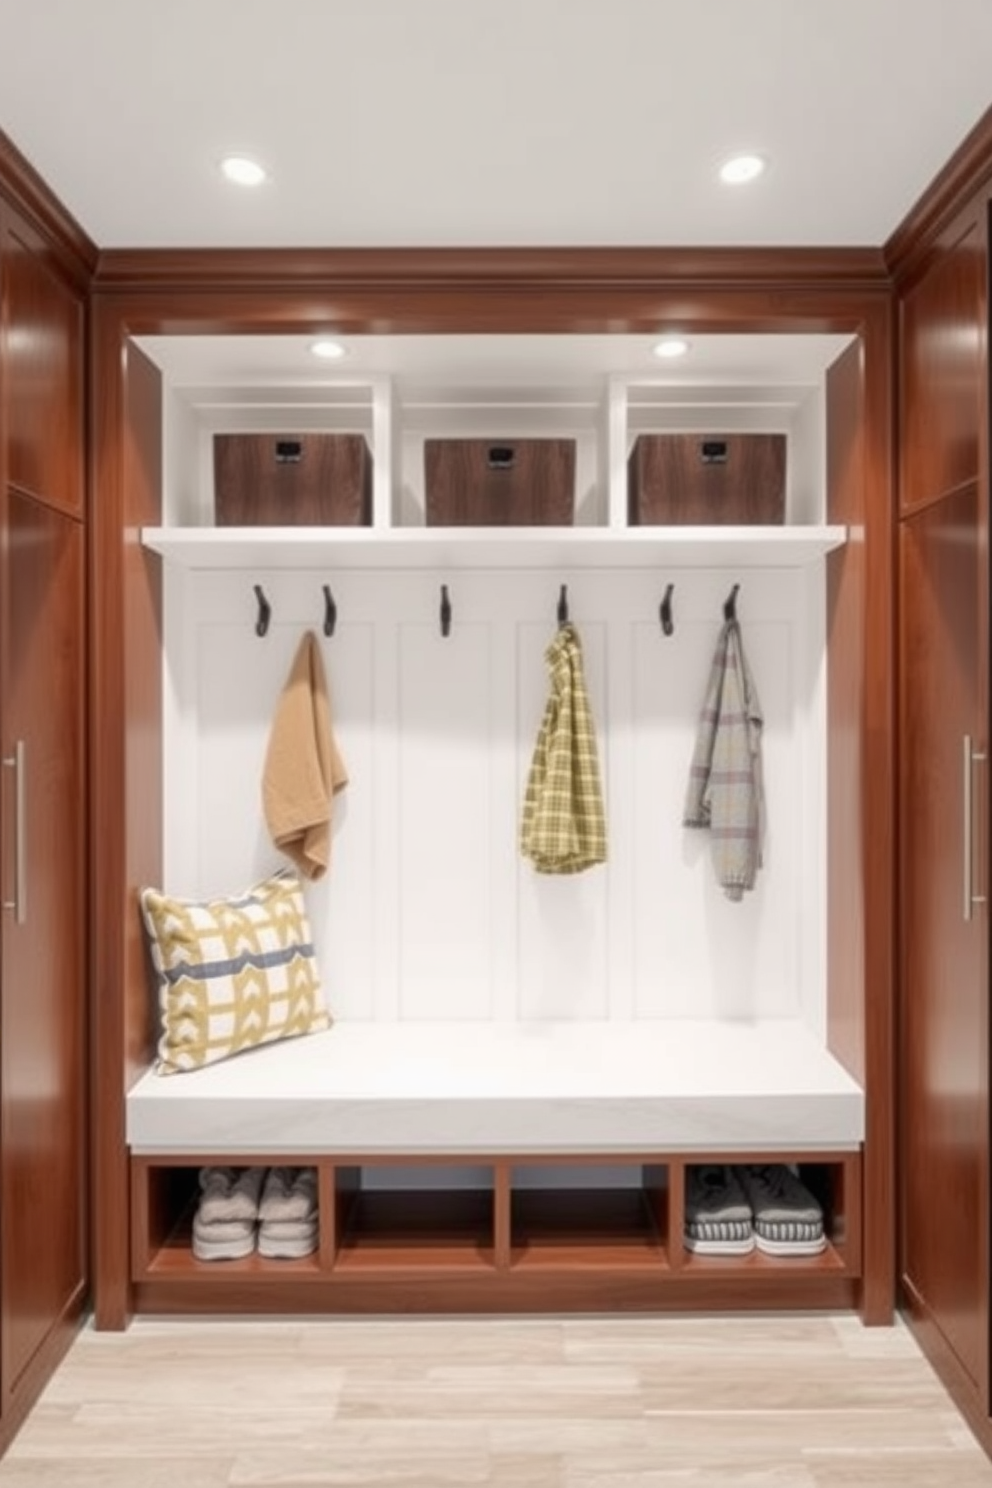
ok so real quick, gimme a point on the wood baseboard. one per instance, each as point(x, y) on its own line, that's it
point(946, 1365)
point(24, 1396)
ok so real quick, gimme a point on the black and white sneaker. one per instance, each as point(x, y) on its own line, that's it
point(717, 1213)
point(788, 1220)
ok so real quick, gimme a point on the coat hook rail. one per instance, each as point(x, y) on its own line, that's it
point(665, 612)
point(730, 608)
point(330, 612)
point(445, 611)
point(563, 605)
point(264, 612)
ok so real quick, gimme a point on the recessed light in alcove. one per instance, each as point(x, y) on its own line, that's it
point(740, 169)
point(242, 171)
point(670, 347)
point(327, 350)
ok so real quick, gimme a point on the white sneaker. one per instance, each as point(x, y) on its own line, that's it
point(287, 1240)
point(228, 1240)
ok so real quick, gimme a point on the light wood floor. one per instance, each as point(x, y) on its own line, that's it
point(805, 1402)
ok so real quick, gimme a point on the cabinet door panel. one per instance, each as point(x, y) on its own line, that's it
point(944, 1111)
point(942, 411)
point(43, 1056)
point(42, 352)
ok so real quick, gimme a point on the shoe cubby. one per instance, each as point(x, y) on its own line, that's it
point(164, 1197)
point(421, 1216)
point(832, 1179)
point(611, 1216)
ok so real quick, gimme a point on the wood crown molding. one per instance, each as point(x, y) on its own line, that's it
point(27, 192)
point(125, 271)
point(968, 171)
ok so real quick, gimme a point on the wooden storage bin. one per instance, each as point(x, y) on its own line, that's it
point(499, 482)
point(298, 480)
point(707, 480)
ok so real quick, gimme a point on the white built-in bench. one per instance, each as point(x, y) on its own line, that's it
point(471, 1087)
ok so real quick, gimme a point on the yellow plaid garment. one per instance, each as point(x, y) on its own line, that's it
point(564, 828)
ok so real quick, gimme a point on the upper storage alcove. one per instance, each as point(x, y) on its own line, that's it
point(397, 392)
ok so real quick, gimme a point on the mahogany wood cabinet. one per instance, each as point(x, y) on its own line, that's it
point(43, 939)
point(943, 663)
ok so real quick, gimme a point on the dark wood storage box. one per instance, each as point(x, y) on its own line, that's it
point(707, 479)
point(293, 480)
point(499, 482)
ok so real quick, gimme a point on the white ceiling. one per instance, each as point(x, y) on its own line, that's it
point(491, 122)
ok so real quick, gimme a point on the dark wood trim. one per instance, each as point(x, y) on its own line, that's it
point(914, 508)
point(18, 1405)
point(107, 857)
point(967, 172)
point(501, 1292)
point(516, 306)
point(846, 595)
point(521, 292)
point(130, 271)
point(944, 1361)
point(878, 802)
point(25, 189)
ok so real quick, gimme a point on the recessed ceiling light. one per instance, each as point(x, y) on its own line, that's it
point(329, 351)
point(242, 171)
point(741, 169)
point(671, 346)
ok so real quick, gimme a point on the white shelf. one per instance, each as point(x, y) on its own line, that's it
point(495, 547)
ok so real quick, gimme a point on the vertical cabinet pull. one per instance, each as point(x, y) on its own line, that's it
point(970, 758)
point(18, 763)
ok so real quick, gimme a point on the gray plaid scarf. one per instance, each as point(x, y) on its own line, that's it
point(725, 791)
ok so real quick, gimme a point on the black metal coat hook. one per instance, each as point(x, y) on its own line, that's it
point(563, 605)
point(264, 612)
point(665, 612)
point(730, 608)
point(330, 611)
point(445, 611)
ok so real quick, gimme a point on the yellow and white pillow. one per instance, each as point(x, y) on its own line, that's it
point(233, 973)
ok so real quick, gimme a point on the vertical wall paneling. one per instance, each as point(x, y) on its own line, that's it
point(564, 966)
point(428, 910)
point(444, 847)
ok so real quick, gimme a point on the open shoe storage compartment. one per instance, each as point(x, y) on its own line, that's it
point(446, 1233)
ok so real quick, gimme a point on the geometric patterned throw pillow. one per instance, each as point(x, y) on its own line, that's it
point(233, 973)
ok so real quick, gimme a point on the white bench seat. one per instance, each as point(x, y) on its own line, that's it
point(528, 1088)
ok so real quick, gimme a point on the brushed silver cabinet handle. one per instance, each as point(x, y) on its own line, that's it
point(18, 763)
point(970, 758)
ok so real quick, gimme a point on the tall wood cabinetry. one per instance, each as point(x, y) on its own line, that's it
point(43, 933)
point(943, 665)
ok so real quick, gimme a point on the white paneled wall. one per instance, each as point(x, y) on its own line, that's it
point(428, 911)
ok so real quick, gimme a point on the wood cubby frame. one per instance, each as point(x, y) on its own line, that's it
point(478, 291)
point(502, 1243)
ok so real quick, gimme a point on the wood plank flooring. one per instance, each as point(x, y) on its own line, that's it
point(670, 1402)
